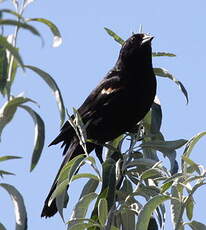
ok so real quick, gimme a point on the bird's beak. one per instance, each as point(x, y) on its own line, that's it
point(147, 38)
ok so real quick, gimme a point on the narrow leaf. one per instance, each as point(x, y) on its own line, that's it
point(70, 168)
point(14, 51)
point(175, 206)
point(63, 181)
point(195, 225)
point(5, 158)
point(164, 73)
point(146, 211)
point(19, 207)
point(190, 208)
point(115, 36)
point(2, 227)
point(3, 68)
point(89, 187)
point(54, 87)
point(81, 207)
point(61, 187)
point(39, 135)
point(83, 226)
point(102, 211)
point(151, 173)
point(108, 186)
point(20, 25)
point(9, 108)
point(2, 173)
point(166, 186)
point(109, 181)
point(192, 142)
point(57, 36)
point(192, 164)
point(85, 175)
point(114, 228)
point(163, 54)
point(163, 146)
point(128, 219)
point(12, 13)
point(11, 72)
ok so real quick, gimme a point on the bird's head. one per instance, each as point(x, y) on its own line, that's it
point(136, 50)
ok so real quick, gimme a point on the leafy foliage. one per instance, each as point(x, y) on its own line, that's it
point(10, 61)
point(135, 171)
point(131, 170)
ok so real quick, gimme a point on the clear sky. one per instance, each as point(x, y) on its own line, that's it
point(85, 56)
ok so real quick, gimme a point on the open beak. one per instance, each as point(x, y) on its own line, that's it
point(147, 38)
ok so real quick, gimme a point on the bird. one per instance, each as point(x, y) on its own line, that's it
point(114, 107)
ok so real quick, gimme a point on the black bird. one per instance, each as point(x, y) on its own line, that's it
point(115, 106)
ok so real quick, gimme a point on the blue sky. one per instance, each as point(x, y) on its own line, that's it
point(85, 56)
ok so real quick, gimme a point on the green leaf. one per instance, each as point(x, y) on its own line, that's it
point(147, 163)
point(164, 73)
point(176, 205)
point(108, 186)
point(63, 180)
point(83, 226)
point(166, 186)
point(57, 36)
point(12, 76)
point(3, 69)
point(190, 208)
point(163, 54)
point(126, 188)
point(89, 187)
point(39, 135)
point(14, 51)
point(113, 145)
point(128, 219)
point(146, 191)
point(20, 25)
point(2, 227)
point(109, 181)
point(151, 173)
point(115, 36)
point(102, 211)
point(19, 207)
point(163, 146)
point(60, 188)
point(195, 225)
point(61, 202)
point(192, 164)
point(148, 209)
point(82, 205)
point(9, 108)
point(5, 158)
point(85, 175)
point(70, 168)
point(2, 173)
point(12, 13)
point(114, 228)
point(192, 142)
point(54, 87)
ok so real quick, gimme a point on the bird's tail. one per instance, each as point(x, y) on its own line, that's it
point(75, 149)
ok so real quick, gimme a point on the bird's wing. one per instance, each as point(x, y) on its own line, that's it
point(97, 98)
point(100, 96)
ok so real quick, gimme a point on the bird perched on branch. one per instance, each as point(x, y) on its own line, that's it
point(115, 106)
